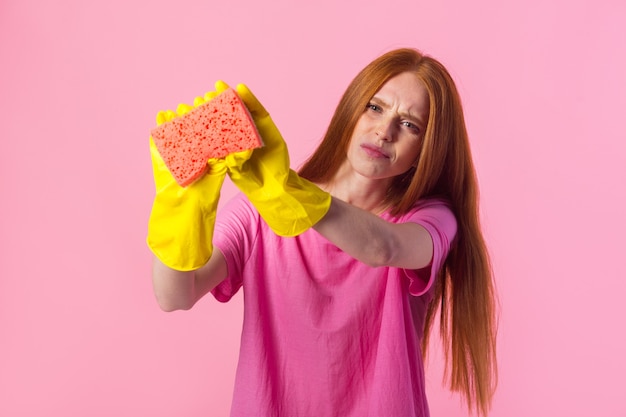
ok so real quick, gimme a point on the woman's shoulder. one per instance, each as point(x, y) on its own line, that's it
point(433, 202)
point(431, 205)
point(432, 213)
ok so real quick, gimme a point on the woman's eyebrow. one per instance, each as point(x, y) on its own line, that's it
point(379, 100)
point(413, 117)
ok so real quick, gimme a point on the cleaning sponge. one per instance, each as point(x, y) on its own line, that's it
point(214, 129)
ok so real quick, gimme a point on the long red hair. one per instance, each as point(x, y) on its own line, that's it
point(464, 294)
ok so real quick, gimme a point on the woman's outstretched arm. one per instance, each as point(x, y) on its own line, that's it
point(373, 240)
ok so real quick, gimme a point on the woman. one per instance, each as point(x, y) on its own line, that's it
point(344, 265)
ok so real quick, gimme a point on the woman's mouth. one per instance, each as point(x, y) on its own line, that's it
point(374, 151)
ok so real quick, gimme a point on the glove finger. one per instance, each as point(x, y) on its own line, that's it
point(237, 159)
point(161, 118)
point(221, 86)
point(183, 109)
point(164, 116)
point(210, 95)
point(252, 103)
point(198, 101)
point(217, 166)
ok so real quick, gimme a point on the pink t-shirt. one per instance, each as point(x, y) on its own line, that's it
point(324, 334)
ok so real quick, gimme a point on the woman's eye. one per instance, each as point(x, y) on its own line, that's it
point(373, 107)
point(412, 126)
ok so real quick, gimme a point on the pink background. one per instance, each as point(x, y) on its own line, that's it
point(545, 95)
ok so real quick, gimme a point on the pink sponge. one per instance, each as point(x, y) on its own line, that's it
point(212, 130)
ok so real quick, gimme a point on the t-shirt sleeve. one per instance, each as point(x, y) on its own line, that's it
point(437, 218)
point(236, 230)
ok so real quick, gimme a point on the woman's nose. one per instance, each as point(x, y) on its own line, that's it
point(385, 130)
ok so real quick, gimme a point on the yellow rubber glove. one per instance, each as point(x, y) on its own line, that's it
point(288, 203)
point(180, 229)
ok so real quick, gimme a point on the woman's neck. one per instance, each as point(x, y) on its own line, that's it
point(365, 193)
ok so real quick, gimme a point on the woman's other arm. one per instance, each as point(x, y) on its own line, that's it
point(181, 290)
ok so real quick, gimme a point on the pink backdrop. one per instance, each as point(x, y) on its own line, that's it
point(544, 90)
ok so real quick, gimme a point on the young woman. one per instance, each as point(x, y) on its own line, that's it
point(346, 264)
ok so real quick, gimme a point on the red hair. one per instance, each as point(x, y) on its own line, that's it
point(464, 293)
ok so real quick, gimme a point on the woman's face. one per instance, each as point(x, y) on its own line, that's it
point(388, 135)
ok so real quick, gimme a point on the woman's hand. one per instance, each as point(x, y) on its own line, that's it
point(288, 203)
point(180, 228)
